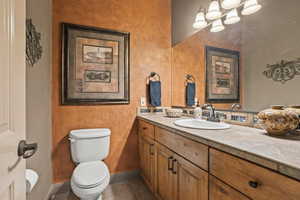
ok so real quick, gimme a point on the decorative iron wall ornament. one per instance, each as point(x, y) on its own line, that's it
point(34, 49)
point(283, 71)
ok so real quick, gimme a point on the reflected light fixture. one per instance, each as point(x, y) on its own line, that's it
point(250, 7)
point(230, 4)
point(200, 21)
point(232, 17)
point(214, 10)
point(217, 26)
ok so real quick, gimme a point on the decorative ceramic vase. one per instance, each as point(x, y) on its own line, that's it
point(174, 113)
point(278, 121)
point(296, 109)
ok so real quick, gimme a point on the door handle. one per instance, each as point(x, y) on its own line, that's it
point(170, 166)
point(174, 170)
point(26, 150)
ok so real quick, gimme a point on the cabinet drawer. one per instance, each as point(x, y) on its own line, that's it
point(146, 129)
point(221, 191)
point(254, 181)
point(193, 151)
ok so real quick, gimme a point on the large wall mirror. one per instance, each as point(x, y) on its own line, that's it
point(268, 43)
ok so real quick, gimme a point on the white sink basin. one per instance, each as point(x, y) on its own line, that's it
point(201, 124)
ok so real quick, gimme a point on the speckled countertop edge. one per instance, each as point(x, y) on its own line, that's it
point(289, 167)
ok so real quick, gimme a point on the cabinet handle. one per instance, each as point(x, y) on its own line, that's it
point(253, 184)
point(144, 128)
point(170, 166)
point(151, 149)
point(174, 170)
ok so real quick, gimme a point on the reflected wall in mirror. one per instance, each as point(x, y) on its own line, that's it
point(265, 37)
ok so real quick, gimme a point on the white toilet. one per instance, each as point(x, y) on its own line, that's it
point(91, 176)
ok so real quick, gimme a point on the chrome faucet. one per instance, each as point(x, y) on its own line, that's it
point(235, 106)
point(212, 115)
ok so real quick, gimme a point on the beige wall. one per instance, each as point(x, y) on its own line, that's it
point(39, 100)
point(270, 35)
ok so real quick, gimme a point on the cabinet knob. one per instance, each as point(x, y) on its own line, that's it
point(144, 128)
point(253, 184)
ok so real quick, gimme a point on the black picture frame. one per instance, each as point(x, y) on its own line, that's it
point(66, 98)
point(227, 53)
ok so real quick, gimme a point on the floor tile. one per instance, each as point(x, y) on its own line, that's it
point(134, 189)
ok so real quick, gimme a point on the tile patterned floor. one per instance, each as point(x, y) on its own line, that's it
point(134, 189)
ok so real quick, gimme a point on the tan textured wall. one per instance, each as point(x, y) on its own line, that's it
point(38, 100)
point(149, 22)
point(188, 57)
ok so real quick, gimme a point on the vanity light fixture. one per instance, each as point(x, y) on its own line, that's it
point(250, 7)
point(217, 26)
point(214, 11)
point(227, 12)
point(232, 17)
point(200, 21)
point(230, 4)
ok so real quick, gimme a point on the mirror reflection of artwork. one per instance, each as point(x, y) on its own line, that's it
point(222, 75)
point(97, 54)
point(223, 83)
point(96, 66)
point(222, 67)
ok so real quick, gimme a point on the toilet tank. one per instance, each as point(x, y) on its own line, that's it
point(89, 144)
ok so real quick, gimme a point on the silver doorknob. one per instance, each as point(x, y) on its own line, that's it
point(26, 150)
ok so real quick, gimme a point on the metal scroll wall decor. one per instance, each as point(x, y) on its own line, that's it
point(283, 71)
point(34, 49)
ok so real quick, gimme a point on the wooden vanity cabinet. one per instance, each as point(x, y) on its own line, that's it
point(178, 168)
point(193, 151)
point(252, 180)
point(169, 175)
point(165, 177)
point(191, 182)
point(220, 191)
point(179, 179)
point(147, 152)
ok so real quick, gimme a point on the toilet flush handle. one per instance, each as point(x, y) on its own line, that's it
point(71, 140)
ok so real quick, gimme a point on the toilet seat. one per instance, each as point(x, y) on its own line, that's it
point(90, 174)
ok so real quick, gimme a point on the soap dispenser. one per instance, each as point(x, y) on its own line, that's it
point(198, 111)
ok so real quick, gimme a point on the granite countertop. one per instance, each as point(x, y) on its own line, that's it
point(281, 155)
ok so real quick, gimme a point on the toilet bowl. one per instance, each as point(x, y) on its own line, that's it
point(89, 180)
point(91, 175)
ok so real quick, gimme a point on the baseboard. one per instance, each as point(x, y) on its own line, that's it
point(49, 193)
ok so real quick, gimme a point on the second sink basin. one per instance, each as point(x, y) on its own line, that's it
point(201, 124)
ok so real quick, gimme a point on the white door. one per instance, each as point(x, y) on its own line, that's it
point(12, 98)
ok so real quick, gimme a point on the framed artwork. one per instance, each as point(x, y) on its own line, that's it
point(222, 75)
point(95, 66)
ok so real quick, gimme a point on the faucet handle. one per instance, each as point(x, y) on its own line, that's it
point(236, 106)
point(207, 105)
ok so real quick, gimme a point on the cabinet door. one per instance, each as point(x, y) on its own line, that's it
point(191, 182)
point(221, 191)
point(165, 178)
point(147, 160)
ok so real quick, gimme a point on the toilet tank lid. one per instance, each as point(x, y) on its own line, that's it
point(90, 133)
